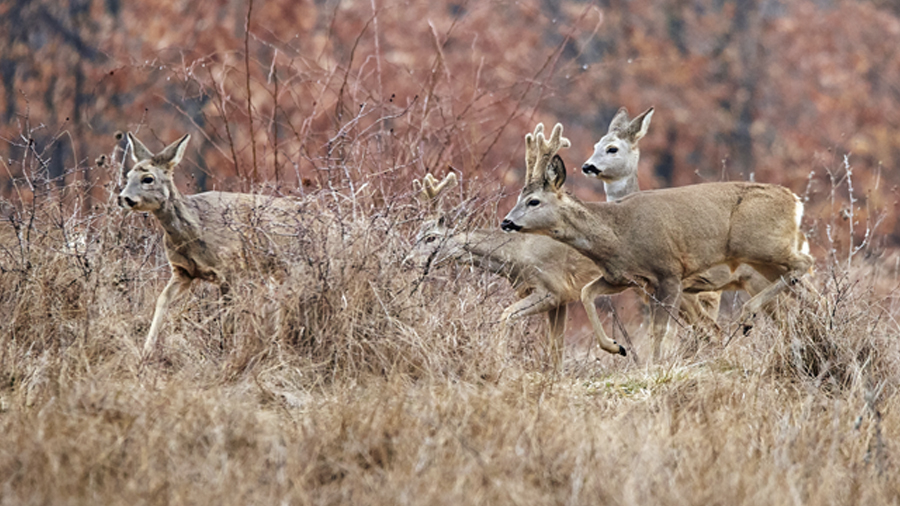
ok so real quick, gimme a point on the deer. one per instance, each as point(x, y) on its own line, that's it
point(208, 236)
point(614, 161)
point(545, 274)
point(662, 241)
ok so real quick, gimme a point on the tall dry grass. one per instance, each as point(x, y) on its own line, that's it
point(358, 379)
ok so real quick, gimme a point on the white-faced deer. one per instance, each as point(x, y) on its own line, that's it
point(546, 274)
point(208, 236)
point(615, 162)
point(659, 240)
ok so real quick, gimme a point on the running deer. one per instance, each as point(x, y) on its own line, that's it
point(662, 241)
point(208, 236)
point(546, 275)
point(615, 162)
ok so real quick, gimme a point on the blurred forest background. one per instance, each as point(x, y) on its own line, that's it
point(274, 93)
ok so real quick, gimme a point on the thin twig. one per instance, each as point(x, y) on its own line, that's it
point(249, 98)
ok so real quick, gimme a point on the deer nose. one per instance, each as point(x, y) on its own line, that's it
point(509, 226)
point(126, 202)
point(590, 170)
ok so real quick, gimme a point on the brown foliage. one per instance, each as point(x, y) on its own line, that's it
point(362, 380)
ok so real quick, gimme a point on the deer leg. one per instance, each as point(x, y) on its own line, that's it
point(709, 303)
point(701, 308)
point(589, 294)
point(557, 334)
point(176, 286)
point(539, 301)
point(665, 301)
point(781, 279)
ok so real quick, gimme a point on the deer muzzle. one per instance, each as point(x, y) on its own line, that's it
point(508, 226)
point(126, 202)
point(590, 169)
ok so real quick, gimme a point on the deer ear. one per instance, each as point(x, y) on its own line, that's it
point(139, 152)
point(620, 121)
point(174, 152)
point(556, 172)
point(637, 129)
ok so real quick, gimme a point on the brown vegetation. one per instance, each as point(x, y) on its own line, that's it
point(389, 388)
point(360, 380)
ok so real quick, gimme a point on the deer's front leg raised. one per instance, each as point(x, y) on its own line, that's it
point(589, 294)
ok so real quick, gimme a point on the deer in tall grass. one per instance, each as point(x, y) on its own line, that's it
point(615, 162)
point(661, 241)
point(546, 275)
point(209, 236)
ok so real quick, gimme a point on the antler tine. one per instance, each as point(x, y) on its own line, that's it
point(533, 150)
point(425, 188)
point(431, 189)
point(539, 150)
point(557, 141)
point(448, 182)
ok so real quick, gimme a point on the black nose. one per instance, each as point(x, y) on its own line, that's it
point(509, 226)
point(126, 202)
point(590, 170)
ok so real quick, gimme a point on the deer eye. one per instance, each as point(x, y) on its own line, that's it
point(430, 239)
point(612, 150)
point(533, 203)
point(147, 180)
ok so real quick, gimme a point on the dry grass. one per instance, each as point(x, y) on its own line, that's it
point(358, 381)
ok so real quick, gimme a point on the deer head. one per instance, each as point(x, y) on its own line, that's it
point(616, 154)
point(545, 174)
point(149, 182)
point(435, 230)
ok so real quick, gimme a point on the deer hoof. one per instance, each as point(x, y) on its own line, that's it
point(746, 328)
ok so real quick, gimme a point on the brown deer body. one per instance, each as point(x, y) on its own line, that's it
point(208, 236)
point(615, 162)
point(663, 241)
point(546, 274)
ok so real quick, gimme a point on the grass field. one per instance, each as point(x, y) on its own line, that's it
point(361, 380)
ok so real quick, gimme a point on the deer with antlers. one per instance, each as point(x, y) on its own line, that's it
point(208, 236)
point(663, 240)
point(615, 162)
point(546, 275)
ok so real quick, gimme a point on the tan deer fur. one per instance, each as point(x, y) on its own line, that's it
point(658, 240)
point(615, 162)
point(546, 275)
point(208, 236)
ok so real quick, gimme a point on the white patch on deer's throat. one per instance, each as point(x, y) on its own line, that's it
point(615, 187)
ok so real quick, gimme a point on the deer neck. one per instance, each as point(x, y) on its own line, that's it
point(179, 219)
point(486, 248)
point(616, 190)
point(588, 228)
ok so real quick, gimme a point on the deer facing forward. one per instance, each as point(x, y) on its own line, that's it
point(660, 240)
point(208, 236)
